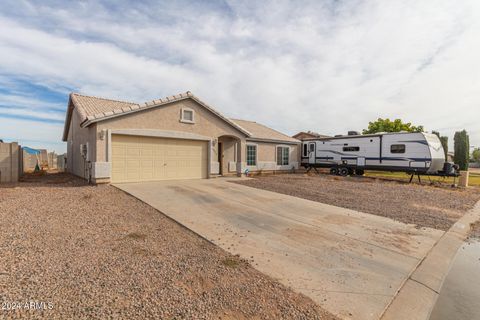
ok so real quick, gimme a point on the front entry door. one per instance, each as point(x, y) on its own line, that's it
point(220, 158)
point(311, 152)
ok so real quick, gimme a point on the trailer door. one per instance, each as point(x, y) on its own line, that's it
point(311, 152)
point(361, 162)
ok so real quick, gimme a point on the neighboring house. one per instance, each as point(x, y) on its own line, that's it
point(178, 137)
point(309, 135)
point(450, 156)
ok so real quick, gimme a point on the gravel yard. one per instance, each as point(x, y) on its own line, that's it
point(96, 252)
point(425, 206)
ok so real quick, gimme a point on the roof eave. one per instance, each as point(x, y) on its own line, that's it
point(68, 119)
point(273, 140)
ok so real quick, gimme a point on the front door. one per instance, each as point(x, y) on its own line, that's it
point(311, 152)
point(220, 158)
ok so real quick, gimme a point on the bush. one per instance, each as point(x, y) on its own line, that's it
point(461, 149)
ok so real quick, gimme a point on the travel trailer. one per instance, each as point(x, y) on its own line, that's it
point(414, 153)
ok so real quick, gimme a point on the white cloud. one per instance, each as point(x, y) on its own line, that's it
point(321, 65)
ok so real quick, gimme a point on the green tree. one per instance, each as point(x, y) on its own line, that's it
point(444, 142)
point(476, 155)
point(386, 125)
point(461, 147)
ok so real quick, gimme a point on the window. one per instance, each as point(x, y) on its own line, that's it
point(282, 156)
point(312, 147)
point(187, 115)
point(351, 148)
point(397, 148)
point(251, 155)
point(305, 150)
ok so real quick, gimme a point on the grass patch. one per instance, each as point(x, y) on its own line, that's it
point(231, 262)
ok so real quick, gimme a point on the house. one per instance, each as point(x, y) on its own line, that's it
point(309, 135)
point(178, 137)
point(450, 156)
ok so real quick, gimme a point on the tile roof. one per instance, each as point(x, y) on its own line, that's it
point(261, 132)
point(310, 133)
point(90, 107)
point(93, 109)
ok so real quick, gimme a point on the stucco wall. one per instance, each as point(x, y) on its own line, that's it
point(267, 156)
point(9, 162)
point(76, 136)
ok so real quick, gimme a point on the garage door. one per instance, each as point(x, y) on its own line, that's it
point(136, 158)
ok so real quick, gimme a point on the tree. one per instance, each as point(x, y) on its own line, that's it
point(386, 125)
point(462, 149)
point(476, 155)
point(444, 142)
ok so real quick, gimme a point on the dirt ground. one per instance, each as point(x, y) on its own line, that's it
point(87, 252)
point(424, 206)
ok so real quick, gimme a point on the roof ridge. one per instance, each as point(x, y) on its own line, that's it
point(268, 127)
point(100, 98)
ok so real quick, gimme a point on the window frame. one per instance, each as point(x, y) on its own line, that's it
point(282, 155)
point(400, 151)
point(256, 155)
point(351, 149)
point(182, 115)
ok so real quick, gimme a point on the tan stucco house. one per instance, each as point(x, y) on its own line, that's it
point(178, 137)
point(309, 135)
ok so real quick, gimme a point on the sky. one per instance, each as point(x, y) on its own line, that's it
point(327, 66)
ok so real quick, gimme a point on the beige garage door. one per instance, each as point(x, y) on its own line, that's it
point(136, 158)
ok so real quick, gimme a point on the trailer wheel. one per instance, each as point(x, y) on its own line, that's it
point(343, 172)
point(359, 172)
point(334, 171)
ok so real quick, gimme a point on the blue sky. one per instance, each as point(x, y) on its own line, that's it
point(327, 66)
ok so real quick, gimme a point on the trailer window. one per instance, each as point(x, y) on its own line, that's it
point(312, 147)
point(397, 148)
point(305, 150)
point(351, 148)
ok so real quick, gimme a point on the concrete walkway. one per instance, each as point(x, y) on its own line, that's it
point(418, 295)
point(351, 263)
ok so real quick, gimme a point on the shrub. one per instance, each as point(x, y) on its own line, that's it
point(461, 149)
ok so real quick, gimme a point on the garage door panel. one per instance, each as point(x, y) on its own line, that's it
point(148, 159)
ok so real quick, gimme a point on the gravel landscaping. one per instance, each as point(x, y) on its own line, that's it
point(424, 206)
point(94, 252)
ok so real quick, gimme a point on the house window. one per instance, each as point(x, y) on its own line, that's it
point(351, 149)
point(251, 155)
point(282, 156)
point(305, 150)
point(397, 148)
point(187, 115)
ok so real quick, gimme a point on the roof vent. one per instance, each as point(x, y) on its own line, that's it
point(353, 133)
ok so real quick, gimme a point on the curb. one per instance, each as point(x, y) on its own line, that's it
point(419, 293)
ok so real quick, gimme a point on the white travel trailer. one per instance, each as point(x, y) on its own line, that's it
point(415, 153)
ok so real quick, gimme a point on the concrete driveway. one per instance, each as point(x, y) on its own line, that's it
point(349, 262)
